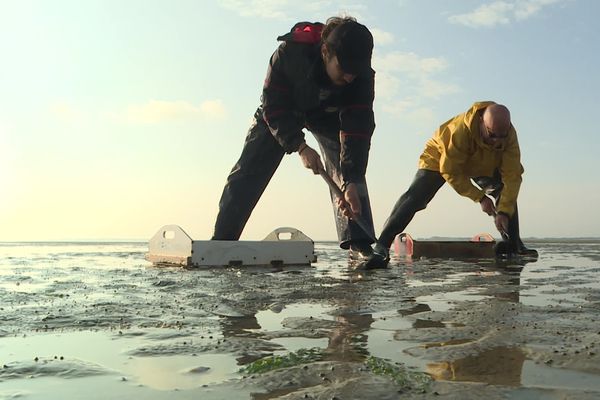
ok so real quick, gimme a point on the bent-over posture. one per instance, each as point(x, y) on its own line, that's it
point(319, 78)
point(477, 153)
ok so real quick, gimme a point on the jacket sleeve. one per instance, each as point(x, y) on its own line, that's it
point(454, 153)
point(511, 171)
point(277, 102)
point(357, 123)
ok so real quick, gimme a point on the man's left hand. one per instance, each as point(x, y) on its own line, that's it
point(487, 206)
point(311, 159)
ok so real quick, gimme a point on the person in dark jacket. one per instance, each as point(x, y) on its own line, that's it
point(320, 78)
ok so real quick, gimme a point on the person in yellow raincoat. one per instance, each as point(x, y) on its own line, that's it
point(477, 153)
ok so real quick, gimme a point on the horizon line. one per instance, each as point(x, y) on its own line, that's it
point(117, 240)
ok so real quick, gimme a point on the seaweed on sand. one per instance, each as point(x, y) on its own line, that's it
point(398, 373)
point(302, 356)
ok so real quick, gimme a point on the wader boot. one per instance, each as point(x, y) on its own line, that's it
point(360, 251)
point(516, 245)
point(511, 243)
point(379, 258)
point(423, 188)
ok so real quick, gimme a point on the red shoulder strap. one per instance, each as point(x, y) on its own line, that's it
point(304, 32)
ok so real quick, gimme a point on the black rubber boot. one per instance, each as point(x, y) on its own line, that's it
point(378, 259)
point(515, 237)
point(360, 251)
point(513, 245)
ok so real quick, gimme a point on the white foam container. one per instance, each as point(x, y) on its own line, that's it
point(283, 246)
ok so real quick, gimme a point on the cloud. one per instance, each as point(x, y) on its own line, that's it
point(258, 8)
point(409, 63)
point(501, 13)
point(410, 111)
point(382, 38)
point(525, 9)
point(155, 111)
point(406, 81)
point(289, 10)
point(413, 73)
point(487, 15)
point(213, 109)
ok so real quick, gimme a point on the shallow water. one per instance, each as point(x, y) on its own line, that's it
point(95, 320)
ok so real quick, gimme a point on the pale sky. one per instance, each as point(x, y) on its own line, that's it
point(118, 117)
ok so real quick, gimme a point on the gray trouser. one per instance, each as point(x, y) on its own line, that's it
point(423, 188)
point(250, 176)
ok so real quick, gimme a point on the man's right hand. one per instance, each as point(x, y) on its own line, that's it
point(350, 204)
point(311, 159)
point(487, 206)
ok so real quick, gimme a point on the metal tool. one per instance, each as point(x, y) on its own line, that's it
point(504, 234)
point(356, 218)
point(488, 191)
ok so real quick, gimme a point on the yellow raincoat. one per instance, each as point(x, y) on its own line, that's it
point(458, 153)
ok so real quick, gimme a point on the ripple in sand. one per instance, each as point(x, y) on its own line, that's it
point(51, 367)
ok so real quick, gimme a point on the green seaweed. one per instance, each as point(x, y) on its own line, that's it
point(302, 356)
point(399, 374)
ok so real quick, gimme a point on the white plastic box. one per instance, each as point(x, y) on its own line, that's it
point(283, 246)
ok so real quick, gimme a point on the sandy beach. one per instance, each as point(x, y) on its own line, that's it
point(96, 321)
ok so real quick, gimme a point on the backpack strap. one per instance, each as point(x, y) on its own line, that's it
point(304, 32)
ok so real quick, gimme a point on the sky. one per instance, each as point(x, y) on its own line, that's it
point(119, 117)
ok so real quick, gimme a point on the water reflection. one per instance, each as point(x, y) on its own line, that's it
point(348, 342)
point(426, 323)
point(417, 308)
point(497, 366)
point(500, 365)
point(240, 326)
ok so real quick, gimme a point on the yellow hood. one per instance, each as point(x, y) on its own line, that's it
point(458, 152)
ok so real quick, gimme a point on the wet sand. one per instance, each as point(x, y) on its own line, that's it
point(96, 321)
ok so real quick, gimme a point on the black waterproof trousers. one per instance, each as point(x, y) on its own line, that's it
point(250, 176)
point(422, 190)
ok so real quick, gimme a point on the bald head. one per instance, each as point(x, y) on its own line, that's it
point(496, 118)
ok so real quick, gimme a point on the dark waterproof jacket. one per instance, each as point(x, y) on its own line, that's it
point(298, 94)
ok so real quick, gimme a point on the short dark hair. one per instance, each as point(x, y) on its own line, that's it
point(331, 24)
point(350, 41)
